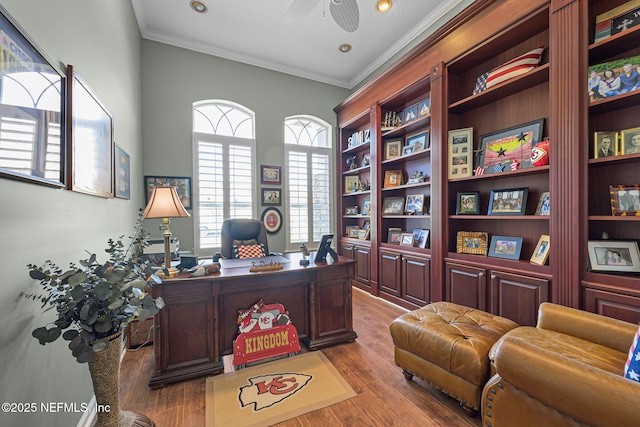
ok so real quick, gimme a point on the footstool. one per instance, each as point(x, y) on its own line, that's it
point(447, 345)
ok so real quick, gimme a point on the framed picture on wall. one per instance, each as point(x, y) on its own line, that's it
point(122, 174)
point(181, 183)
point(271, 197)
point(270, 174)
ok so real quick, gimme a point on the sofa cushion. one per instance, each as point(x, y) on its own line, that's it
point(632, 367)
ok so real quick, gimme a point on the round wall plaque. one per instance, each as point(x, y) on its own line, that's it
point(272, 220)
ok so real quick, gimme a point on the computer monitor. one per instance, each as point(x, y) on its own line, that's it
point(325, 248)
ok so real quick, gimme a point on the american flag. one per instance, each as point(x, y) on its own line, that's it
point(509, 70)
point(479, 171)
point(499, 167)
point(632, 367)
point(515, 165)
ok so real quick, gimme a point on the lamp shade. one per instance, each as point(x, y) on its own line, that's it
point(164, 203)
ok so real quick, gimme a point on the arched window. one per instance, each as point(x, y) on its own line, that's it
point(224, 149)
point(308, 175)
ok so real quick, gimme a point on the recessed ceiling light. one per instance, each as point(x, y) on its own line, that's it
point(383, 5)
point(344, 48)
point(198, 6)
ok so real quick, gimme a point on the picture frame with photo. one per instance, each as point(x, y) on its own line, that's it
point(270, 174)
point(544, 204)
point(122, 176)
point(612, 78)
point(421, 138)
point(541, 252)
point(353, 232)
point(498, 150)
point(460, 153)
point(392, 149)
point(348, 229)
point(510, 201)
point(407, 149)
point(616, 20)
point(351, 184)
point(505, 247)
point(414, 204)
point(394, 237)
point(366, 207)
point(181, 183)
point(367, 224)
point(468, 203)
point(407, 239)
point(271, 197)
point(351, 210)
point(605, 144)
point(424, 107)
point(393, 178)
point(410, 114)
point(363, 234)
point(472, 242)
point(392, 206)
point(614, 255)
point(423, 240)
point(625, 200)
point(630, 141)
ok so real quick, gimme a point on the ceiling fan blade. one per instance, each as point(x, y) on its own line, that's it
point(346, 14)
point(299, 9)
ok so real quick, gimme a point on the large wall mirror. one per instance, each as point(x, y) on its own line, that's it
point(31, 109)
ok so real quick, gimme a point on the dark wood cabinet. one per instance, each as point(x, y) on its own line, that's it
point(517, 297)
point(390, 275)
point(416, 275)
point(466, 285)
point(362, 256)
point(404, 278)
point(198, 324)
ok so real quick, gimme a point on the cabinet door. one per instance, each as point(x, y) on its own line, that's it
point(348, 251)
point(466, 285)
point(517, 297)
point(362, 256)
point(618, 306)
point(390, 273)
point(416, 272)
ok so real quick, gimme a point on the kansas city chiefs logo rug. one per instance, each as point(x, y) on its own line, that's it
point(265, 391)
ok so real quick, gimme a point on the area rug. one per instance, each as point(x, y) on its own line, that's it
point(269, 393)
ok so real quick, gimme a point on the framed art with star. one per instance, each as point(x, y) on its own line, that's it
point(509, 149)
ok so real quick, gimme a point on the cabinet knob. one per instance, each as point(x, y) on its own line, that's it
point(480, 274)
point(493, 276)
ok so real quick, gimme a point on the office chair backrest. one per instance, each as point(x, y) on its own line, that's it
point(242, 232)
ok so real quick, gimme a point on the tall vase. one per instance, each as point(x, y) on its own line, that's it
point(105, 375)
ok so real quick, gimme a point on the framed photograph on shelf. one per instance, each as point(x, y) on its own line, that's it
point(90, 146)
point(423, 239)
point(392, 178)
point(351, 184)
point(392, 149)
point(366, 207)
point(612, 255)
point(608, 79)
point(122, 174)
point(33, 100)
point(605, 144)
point(630, 141)
point(468, 203)
point(625, 200)
point(512, 201)
point(367, 224)
point(410, 114)
point(394, 237)
point(414, 204)
point(181, 183)
point(354, 232)
point(505, 247)
point(544, 204)
point(351, 210)
point(349, 230)
point(407, 149)
point(460, 153)
point(271, 197)
point(363, 234)
point(472, 242)
point(270, 174)
point(541, 252)
point(392, 205)
point(421, 139)
point(424, 107)
point(407, 239)
point(499, 150)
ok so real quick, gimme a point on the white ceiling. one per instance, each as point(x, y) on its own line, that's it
point(254, 32)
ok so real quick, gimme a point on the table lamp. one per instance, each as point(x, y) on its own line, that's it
point(165, 203)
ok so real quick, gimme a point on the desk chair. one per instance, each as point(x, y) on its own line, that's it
point(242, 232)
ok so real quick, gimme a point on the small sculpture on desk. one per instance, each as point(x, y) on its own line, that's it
point(305, 254)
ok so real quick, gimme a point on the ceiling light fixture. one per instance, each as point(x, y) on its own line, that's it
point(383, 5)
point(198, 6)
point(344, 48)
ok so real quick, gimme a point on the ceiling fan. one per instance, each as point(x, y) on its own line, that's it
point(344, 12)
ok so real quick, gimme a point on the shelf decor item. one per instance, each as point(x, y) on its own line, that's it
point(468, 203)
point(363, 234)
point(460, 153)
point(512, 201)
point(407, 239)
point(351, 184)
point(505, 247)
point(616, 20)
point(423, 239)
point(499, 150)
point(541, 252)
point(544, 204)
point(366, 207)
point(614, 77)
point(392, 205)
point(410, 114)
point(424, 107)
point(352, 210)
point(393, 178)
point(509, 70)
point(472, 242)
point(614, 255)
point(418, 140)
point(625, 200)
point(394, 236)
point(351, 230)
point(630, 140)
point(393, 149)
point(414, 204)
point(354, 233)
point(605, 144)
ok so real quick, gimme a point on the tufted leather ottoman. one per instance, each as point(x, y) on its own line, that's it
point(447, 345)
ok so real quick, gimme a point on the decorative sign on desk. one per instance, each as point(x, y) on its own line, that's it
point(248, 262)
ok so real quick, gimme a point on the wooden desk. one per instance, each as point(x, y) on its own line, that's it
point(197, 326)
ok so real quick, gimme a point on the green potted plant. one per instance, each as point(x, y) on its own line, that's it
point(94, 302)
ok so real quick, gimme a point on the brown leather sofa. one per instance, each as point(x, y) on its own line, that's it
point(567, 371)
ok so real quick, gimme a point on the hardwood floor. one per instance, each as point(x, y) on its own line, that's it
point(384, 398)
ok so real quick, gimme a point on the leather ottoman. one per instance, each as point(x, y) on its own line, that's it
point(447, 345)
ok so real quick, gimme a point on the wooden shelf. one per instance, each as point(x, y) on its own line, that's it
point(356, 193)
point(408, 128)
point(612, 218)
point(613, 160)
point(600, 51)
point(506, 174)
point(514, 266)
point(357, 170)
point(405, 216)
point(417, 155)
point(607, 105)
point(405, 186)
point(362, 147)
point(502, 217)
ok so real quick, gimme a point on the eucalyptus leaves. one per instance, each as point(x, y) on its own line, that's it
point(96, 300)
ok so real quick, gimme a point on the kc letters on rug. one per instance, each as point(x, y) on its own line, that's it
point(273, 392)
